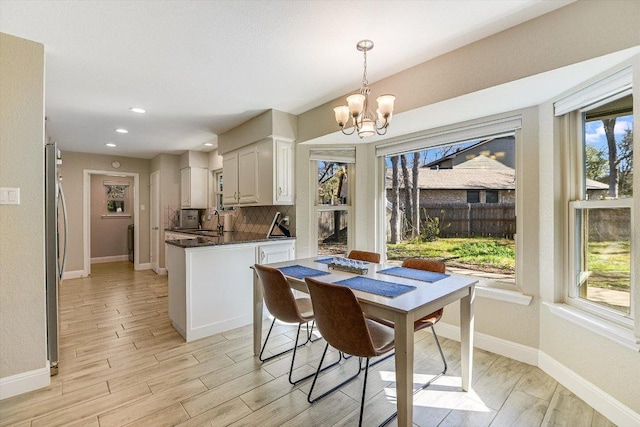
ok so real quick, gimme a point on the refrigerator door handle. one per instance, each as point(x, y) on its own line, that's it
point(63, 261)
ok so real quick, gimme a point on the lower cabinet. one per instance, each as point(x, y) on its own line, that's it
point(211, 287)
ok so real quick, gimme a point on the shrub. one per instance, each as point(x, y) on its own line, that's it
point(430, 230)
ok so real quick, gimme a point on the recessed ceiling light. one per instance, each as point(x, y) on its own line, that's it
point(137, 110)
point(122, 130)
point(110, 144)
point(208, 144)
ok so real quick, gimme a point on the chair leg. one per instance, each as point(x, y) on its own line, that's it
point(320, 369)
point(444, 361)
point(364, 390)
point(310, 333)
point(282, 352)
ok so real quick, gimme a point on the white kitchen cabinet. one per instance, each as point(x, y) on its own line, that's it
point(193, 188)
point(260, 174)
point(211, 287)
point(248, 175)
point(268, 254)
point(230, 179)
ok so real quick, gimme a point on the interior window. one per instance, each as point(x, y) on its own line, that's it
point(435, 208)
point(116, 195)
point(601, 212)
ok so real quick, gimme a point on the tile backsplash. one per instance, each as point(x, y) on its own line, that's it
point(256, 219)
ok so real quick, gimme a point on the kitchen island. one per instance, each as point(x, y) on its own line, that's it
point(211, 282)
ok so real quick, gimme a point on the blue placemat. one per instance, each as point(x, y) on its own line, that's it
point(325, 260)
point(412, 273)
point(300, 272)
point(378, 287)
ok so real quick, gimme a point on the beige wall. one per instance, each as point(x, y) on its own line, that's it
point(269, 123)
point(574, 33)
point(73, 166)
point(109, 234)
point(22, 262)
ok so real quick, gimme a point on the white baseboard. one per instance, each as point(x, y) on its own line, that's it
point(145, 266)
point(602, 402)
point(73, 274)
point(161, 271)
point(512, 350)
point(215, 328)
point(25, 382)
point(113, 258)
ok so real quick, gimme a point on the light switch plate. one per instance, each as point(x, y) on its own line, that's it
point(9, 196)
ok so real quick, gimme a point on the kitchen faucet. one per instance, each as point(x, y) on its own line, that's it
point(220, 226)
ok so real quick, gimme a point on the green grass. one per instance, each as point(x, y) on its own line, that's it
point(480, 253)
point(610, 264)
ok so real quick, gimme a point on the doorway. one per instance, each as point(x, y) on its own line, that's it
point(86, 210)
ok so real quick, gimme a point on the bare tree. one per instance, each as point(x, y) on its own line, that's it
point(609, 125)
point(395, 200)
point(415, 197)
point(408, 205)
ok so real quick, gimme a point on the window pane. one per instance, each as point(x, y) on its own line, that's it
point(492, 196)
point(608, 151)
point(442, 196)
point(333, 188)
point(473, 196)
point(332, 232)
point(604, 261)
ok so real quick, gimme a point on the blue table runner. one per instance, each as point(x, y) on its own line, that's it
point(300, 272)
point(412, 273)
point(378, 287)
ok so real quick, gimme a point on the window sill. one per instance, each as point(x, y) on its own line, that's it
point(514, 297)
point(115, 216)
point(615, 333)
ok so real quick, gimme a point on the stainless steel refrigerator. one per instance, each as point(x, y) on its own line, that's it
point(56, 246)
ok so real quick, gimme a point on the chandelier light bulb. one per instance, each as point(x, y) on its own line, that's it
point(342, 114)
point(356, 103)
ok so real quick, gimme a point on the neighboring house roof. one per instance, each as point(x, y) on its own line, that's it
point(479, 173)
point(595, 185)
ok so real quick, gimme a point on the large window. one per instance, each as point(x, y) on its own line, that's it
point(442, 203)
point(601, 208)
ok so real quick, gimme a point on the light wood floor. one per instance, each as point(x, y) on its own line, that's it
point(122, 363)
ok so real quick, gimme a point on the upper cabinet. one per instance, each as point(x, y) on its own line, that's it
point(260, 174)
point(193, 188)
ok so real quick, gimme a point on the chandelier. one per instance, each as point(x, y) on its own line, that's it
point(358, 106)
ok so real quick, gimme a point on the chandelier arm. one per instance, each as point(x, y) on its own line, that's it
point(353, 129)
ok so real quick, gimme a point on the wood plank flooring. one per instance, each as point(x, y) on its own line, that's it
point(123, 364)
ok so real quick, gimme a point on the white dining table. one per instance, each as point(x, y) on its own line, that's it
point(402, 310)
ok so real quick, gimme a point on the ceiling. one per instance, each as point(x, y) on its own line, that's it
point(200, 68)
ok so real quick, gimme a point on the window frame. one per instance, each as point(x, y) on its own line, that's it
point(481, 129)
point(575, 181)
point(317, 207)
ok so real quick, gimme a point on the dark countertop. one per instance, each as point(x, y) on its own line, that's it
point(213, 238)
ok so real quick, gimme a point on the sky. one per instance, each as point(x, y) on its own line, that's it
point(594, 131)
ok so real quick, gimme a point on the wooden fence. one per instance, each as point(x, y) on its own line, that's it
point(472, 219)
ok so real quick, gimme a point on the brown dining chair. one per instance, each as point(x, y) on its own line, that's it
point(373, 257)
point(281, 303)
point(433, 318)
point(343, 325)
